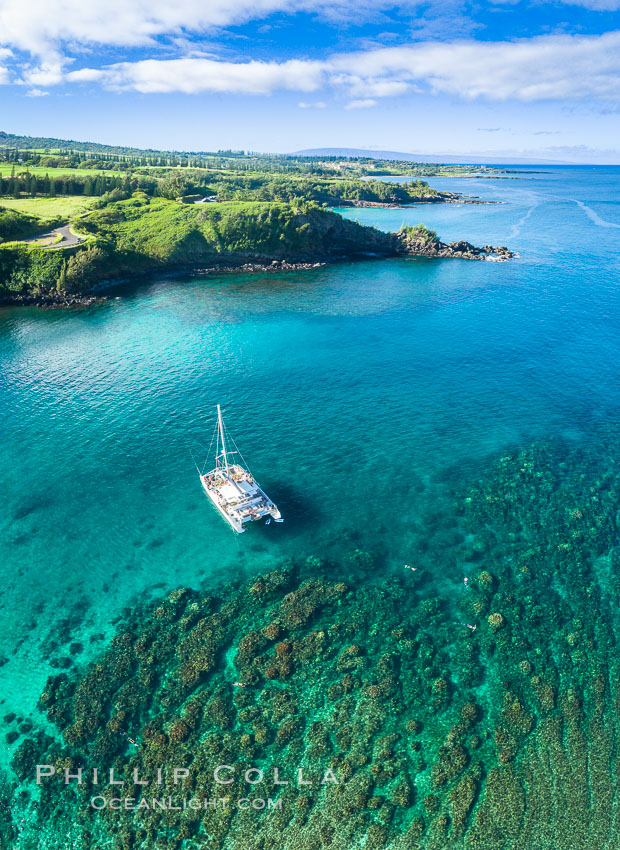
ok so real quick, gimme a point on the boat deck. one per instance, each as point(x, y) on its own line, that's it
point(238, 496)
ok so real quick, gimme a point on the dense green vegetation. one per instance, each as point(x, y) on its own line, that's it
point(163, 229)
point(260, 186)
point(26, 183)
point(141, 234)
point(144, 209)
point(420, 231)
point(166, 230)
point(33, 181)
point(15, 225)
point(50, 168)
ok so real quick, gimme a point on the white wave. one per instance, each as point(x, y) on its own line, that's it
point(595, 217)
point(516, 228)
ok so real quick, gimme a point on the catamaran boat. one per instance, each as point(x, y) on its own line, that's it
point(233, 490)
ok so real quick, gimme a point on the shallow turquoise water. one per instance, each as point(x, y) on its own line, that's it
point(359, 394)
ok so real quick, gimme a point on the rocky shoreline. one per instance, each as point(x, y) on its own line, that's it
point(420, 247)
point(404, 246)
point(438, 198)
point(50, 299)
point(273, 266)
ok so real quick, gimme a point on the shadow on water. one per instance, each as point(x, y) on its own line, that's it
point(299, 513)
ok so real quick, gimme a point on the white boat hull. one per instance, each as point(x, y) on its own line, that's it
point(232, 490)
point(238, 498)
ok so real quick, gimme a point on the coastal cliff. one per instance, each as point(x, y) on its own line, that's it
point(145, 236)
point(419, 241)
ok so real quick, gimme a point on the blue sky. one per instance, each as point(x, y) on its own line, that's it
point(517, 79)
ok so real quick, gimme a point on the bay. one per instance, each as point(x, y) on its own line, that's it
point(361, 394)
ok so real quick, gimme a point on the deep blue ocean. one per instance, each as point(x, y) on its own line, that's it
point(360, 394)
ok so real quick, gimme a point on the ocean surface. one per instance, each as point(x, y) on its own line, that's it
point(361, 395)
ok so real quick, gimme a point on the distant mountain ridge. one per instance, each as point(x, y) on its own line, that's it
point(421, 157)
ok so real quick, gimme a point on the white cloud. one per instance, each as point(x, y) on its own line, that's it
point(318, 105)
point(595, 5)
point(4, 72)
point(41, 27)
point(37, 93)
point(592, 5)
point(551, 67)
point(85, 75)
point(547, 67)
point(361, 104)
point(46, 74)
point(45, 29)
point(356, 85)
point(191, 76)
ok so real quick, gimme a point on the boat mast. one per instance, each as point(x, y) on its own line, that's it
point(220, 425)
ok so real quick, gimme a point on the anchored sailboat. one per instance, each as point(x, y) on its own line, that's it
point(232, 489)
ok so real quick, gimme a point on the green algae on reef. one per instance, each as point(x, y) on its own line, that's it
point(484, 718)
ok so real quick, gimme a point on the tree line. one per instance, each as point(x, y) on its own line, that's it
point(286, 189)
point(230, 186)
point(32, 185)
point(129, 159)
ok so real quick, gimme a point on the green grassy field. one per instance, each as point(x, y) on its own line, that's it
point(63, 207)
point(41, 171)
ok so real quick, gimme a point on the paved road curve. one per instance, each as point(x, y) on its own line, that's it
point(68, 239)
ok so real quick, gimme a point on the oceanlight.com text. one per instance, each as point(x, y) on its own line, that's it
point(171, 804)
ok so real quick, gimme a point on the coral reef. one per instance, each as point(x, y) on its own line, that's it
point(483, 716)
